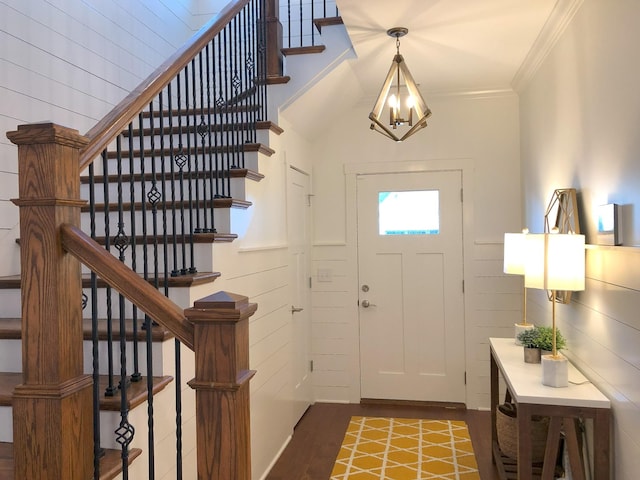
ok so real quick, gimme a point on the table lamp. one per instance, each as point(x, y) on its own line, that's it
point(515, 254)
point(555, 261)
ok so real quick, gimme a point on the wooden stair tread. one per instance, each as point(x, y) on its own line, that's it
point(13, 281)
point(175, 129)
point(217, 203)
point(136, 391)
point(110, 463)
point(167, 152)
point(277, 79)
point(190, 112)
point(11, 329)
point(327, 22)
point(197, 238)
point(303, 50)
point(168, 176)
point(8, 381)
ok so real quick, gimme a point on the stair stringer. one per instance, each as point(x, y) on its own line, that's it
point(307, 70)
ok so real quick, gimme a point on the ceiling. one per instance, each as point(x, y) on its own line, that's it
point(452, 45)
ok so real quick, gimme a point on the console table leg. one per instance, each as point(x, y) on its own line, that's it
point(551, 449)
point(573, 448)
point(601, 444)
point(494, 404)
point(524, 442)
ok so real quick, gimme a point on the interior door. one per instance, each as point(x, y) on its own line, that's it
point(411, 286)
point(299, 247)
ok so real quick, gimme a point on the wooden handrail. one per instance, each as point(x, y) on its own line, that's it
point(127, 282)
point(122, 114)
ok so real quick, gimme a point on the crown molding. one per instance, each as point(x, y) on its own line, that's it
point(561, 16)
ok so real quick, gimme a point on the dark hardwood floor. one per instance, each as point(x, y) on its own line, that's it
point(317, 437)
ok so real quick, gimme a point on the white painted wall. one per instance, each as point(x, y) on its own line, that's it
point(480, 131)
point(580, 129)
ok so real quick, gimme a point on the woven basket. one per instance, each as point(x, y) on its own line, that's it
point(507, 427)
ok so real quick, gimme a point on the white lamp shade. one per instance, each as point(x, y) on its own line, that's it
point(514, 253)
point(555, 261)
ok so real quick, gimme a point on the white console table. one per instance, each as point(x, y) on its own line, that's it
point(564, 406)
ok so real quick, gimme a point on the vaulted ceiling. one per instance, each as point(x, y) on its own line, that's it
point(452, 45)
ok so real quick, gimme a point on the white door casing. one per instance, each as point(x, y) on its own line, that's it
point(412, 334)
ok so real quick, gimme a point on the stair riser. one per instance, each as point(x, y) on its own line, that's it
point(163, 432)
point(202, 254)
point(181, 296)
point(221, 219)
point(162, 357)
point(11, 356)
point(10, 299)
point(170, 191)
point(187, 140)
point(6, 424)
point(224, 160)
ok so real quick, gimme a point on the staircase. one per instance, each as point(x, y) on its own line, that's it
point(169, 185)
point(180, 289)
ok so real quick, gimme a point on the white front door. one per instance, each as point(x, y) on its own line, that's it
point(411, 286)
point(299, 244)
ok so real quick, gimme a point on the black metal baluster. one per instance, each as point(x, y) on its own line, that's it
point(180, 161)
point(125, 431)
point(98, 451)
point(120, 241)
point(204, 131)
point(135, 377)
point(111, 388)
point(220, 105)
point(226, 119)
point(172, 180)
point(163, 189)
point(249, 33)
point(312, 25)
point(236, 84)
point(153, 197)
point(212, 132)
point(190, 175)
point(289, 23)
point(196, 171)
point(301, 22)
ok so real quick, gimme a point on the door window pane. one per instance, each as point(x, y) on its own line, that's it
point(409, 213)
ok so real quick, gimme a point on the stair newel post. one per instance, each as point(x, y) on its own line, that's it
point(273, 27)
point(221, 345)
point(52, 408)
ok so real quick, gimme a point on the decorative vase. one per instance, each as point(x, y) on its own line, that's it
point(555, 371)
point(521, 327)
point(531, 355)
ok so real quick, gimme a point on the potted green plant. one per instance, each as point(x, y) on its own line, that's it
point(545, 339)
point(529, 341)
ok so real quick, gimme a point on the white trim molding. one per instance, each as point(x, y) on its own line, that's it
point(556, 24)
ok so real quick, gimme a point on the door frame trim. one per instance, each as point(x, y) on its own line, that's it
point(466, 167)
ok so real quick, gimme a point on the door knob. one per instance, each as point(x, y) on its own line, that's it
point(366, 304)
point(296, 309)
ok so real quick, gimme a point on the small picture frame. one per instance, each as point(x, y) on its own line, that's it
point(609, 228)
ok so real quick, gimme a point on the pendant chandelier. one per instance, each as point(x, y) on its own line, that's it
point(406, 106)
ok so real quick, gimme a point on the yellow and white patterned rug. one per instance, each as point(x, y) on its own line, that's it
point(405, 449)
